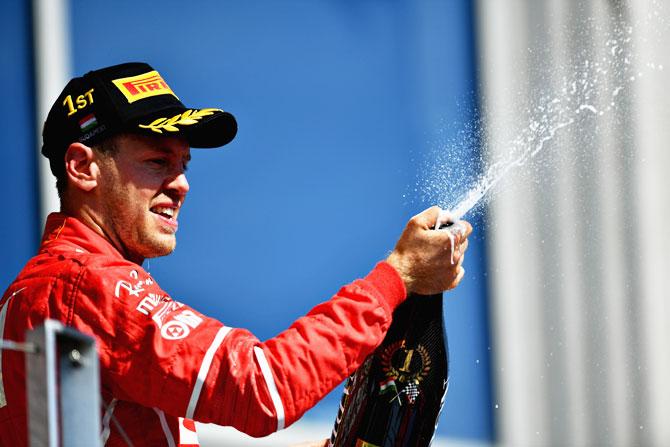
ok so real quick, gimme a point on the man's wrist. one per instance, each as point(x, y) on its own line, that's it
point(390, 284)
point(396, 261)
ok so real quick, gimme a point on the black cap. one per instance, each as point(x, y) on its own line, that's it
point(131, 97)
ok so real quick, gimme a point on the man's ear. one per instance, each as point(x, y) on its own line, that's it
point(81, 169)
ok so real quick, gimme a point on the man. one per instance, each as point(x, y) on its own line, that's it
point(118, 141)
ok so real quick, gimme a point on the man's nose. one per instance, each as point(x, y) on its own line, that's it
point(178, 183)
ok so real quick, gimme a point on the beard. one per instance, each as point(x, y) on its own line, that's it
point(132, 227)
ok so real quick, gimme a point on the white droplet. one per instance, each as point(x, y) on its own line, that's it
point(588, 107)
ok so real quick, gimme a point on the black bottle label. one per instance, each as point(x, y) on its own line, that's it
point(395, 397)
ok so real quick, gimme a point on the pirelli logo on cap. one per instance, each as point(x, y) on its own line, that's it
point(143, 86)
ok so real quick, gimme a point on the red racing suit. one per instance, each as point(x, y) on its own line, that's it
point(164, 364)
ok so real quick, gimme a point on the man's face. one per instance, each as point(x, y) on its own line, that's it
point(141, 189)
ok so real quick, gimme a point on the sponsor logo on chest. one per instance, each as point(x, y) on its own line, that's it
point(170, 317)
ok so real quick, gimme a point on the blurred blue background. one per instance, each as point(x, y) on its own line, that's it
point(338, 103)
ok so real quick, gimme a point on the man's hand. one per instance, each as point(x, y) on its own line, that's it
point(423, 256)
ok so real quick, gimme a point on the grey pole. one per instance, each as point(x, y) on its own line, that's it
point(63, 388)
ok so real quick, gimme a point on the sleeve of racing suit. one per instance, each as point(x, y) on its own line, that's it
point(161, 353)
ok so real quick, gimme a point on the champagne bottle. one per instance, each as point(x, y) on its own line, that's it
point(395, 397)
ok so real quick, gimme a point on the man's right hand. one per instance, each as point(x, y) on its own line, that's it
point(423, 256)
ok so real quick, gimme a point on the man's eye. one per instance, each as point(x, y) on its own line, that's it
point(158, 161)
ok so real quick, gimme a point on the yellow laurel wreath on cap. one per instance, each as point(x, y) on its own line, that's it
point(183, 119)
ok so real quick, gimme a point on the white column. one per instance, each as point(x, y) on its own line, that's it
point(51, 34)
point(520, 387)
point(651, 207)
point(579, 247)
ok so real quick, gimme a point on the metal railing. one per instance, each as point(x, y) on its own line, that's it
point(63, 384)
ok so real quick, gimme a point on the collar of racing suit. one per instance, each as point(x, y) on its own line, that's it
point(63, 229)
